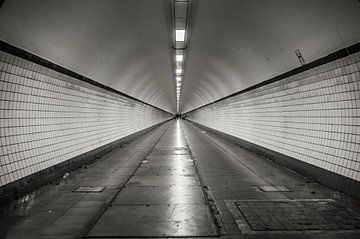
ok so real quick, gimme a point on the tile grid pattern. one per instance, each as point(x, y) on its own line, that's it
point(47, 117)
point(313, 116)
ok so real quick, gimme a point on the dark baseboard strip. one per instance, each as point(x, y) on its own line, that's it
point(26, 185)
point(329, 179)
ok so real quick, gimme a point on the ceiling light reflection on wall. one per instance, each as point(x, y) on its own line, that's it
point(180, 35)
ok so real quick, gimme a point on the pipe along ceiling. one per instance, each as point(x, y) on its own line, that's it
point(135, 46)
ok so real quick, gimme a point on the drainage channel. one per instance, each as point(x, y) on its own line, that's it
point(163, 198)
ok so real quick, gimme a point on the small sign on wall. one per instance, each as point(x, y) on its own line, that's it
point(300, 57)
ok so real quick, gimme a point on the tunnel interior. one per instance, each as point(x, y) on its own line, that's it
point(179, 118)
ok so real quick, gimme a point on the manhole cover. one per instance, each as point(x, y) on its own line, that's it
point(257, 216)
point(274, 189)
point(89, 189)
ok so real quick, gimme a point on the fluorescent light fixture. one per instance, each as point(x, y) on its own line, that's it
point(178, 71)
point(178, 78)
point(179, 57)
point(180, 35)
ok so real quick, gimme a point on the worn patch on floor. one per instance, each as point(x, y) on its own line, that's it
point(286, 215)
point(89, 189)
point(274, 189)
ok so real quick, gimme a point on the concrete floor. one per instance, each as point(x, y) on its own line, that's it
point(181, 181)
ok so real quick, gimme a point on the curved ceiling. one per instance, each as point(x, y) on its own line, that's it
point(236, 44)
point(232, 44)
point(122, 44)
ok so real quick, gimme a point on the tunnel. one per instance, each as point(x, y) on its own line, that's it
point(179, 119)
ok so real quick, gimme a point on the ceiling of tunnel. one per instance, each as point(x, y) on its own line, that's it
point(236, 44)
point(232, 44)
point(123, 44)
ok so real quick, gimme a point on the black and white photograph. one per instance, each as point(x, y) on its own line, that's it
point(193, 119)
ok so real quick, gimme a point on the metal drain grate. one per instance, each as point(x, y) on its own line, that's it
point(258, 216)
point(89, 189)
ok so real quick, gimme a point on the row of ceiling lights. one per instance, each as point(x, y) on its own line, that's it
point(180, 13)
point(179, 59)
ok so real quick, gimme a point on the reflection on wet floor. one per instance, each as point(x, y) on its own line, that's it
point(177, 181)
point(163, 198)
point(57, 211)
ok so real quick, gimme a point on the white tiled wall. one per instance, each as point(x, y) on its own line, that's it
point(47, 117)
point(313, 116)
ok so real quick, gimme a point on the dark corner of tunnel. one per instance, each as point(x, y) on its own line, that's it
point(1, 3)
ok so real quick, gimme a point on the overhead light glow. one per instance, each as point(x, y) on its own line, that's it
point(178, 71)
point(178, 78)
point(180, 35)
point(179, 57)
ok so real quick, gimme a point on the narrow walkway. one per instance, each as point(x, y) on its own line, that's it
point(164, 198)
point(181, 181)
